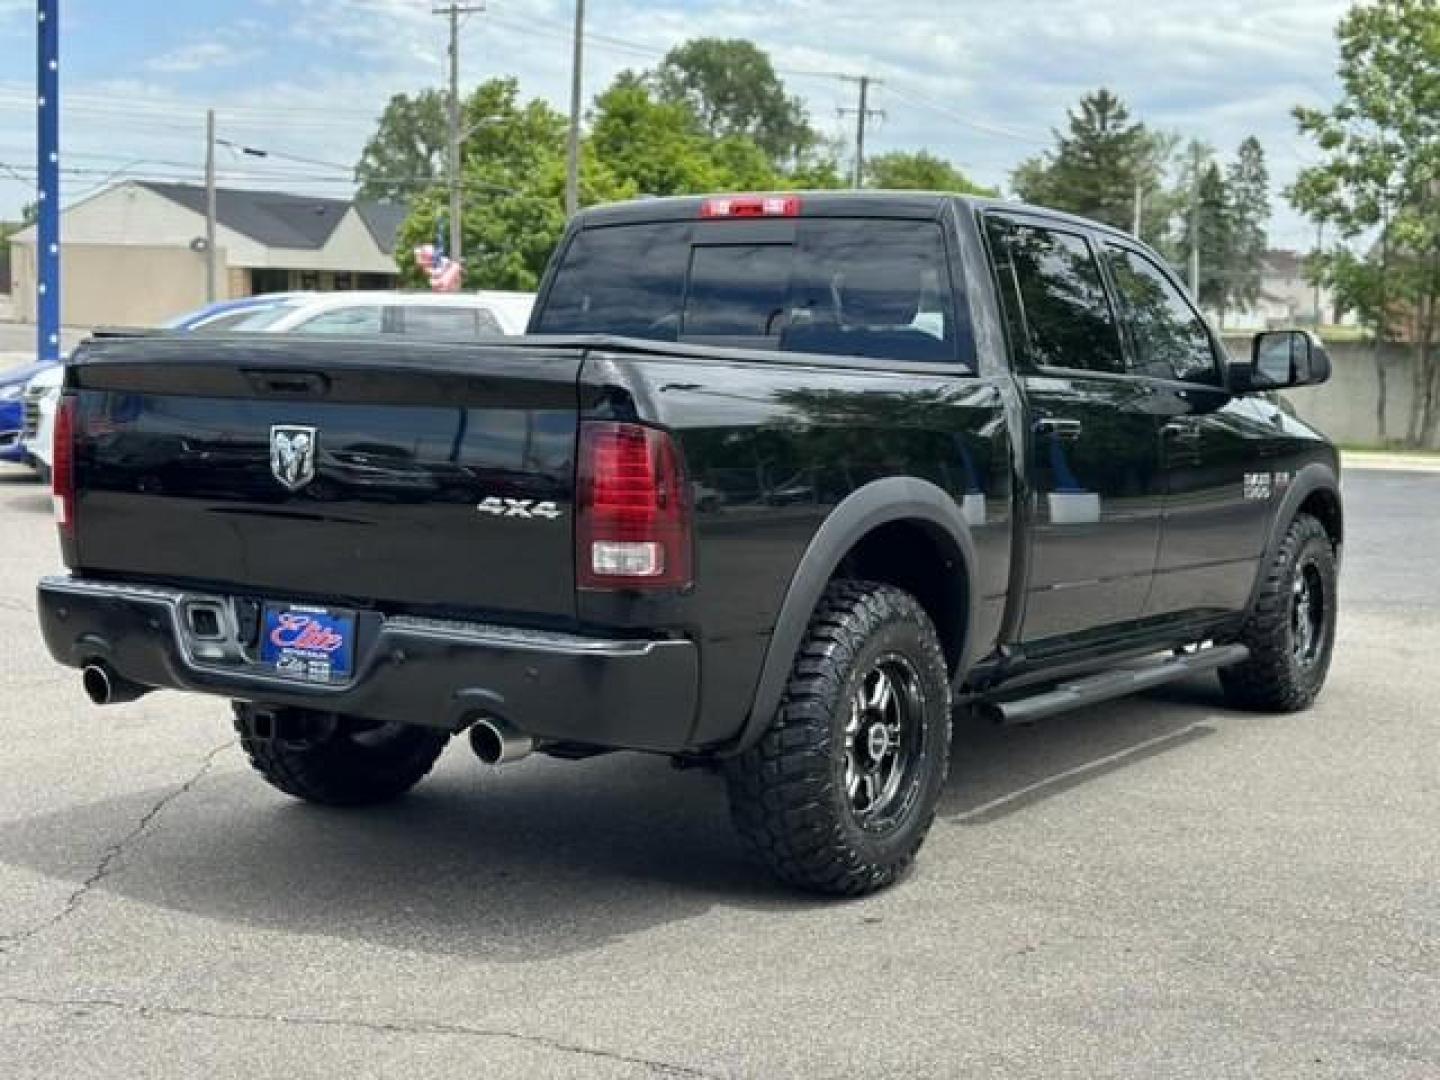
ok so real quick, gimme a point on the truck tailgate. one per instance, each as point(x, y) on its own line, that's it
point(407, 474)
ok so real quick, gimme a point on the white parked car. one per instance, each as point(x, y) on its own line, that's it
point(38, 434)
point(435, 316)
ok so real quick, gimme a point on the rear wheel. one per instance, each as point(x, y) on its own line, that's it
point(1291, 632)
point(336, 760)
point(839, 793)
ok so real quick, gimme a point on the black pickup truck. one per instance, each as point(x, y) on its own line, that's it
point(773, 485)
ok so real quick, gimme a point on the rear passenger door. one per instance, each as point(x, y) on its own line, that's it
point(1094, 462)
point(1214, 446)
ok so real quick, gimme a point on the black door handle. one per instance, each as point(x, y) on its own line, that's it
point(1060, 428)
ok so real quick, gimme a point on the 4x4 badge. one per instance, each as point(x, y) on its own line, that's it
point(520, 508)
point(292, 454)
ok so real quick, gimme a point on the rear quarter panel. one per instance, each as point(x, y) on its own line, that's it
point(770, 450)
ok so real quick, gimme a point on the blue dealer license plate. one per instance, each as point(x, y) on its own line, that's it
point(309, 644)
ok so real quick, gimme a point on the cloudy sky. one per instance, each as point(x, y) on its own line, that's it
point(979, 81)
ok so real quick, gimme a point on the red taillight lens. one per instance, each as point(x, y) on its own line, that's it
point(632, 526)
point(751, 206)
point(62, 465)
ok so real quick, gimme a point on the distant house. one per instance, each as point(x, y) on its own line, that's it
point(1286, 298)
point(133, 254)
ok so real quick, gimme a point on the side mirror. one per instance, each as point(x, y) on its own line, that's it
point(1280, 359)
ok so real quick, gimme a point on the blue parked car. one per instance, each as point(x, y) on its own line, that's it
point(27, 443)
point(225, 314)
point(12, 411)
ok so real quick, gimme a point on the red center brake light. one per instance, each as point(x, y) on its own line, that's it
point(632, 527)
point(62, 466)
point(751, 206)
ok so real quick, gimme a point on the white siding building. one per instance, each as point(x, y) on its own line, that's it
point(134, 253)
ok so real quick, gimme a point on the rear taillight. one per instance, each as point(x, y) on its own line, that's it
point(632, 526)
point(62, 466)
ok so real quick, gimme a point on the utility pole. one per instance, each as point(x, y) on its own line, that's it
point(862, 116)
point(453, 11)
point(47, 172)
point(572, 151)
point(210, 200)
point(1139, 208)
point(1197, 155)
point(1319, 249)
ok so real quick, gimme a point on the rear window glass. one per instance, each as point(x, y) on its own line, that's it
point(843, 287)
point(447, 323)
point(626, 280)
point(737, 290)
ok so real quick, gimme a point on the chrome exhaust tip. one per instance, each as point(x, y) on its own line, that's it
point(496, 744)
point(104, 687)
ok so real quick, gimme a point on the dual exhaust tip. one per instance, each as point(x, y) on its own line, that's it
point(105, 687)
point(494, 743)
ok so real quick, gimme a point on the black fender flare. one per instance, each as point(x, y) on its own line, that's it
point(880, 502)
point(1314, 477)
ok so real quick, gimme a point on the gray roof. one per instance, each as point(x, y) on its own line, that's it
point(383, 220)
point(280, 220)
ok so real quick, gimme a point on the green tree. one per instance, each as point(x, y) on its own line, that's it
point(1208, 222)
point(407, 153)
point(660, 147)
point(1380, 186)
point(1097, 166)
point(513, 174)
point(919, 171)
point(732, 89)
point(407, 150)
point(1248, 182)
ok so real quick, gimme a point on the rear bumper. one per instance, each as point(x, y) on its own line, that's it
point(626, 694)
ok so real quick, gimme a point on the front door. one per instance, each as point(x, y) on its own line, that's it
point(1094, 462)
point(1218, 479)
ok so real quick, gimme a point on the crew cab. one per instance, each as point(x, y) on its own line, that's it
point(773, 484)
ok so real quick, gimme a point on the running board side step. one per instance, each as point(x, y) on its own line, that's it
point(1116, 683)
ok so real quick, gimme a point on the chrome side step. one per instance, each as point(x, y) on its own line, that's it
point(1107, 685)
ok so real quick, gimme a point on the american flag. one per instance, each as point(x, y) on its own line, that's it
point(444, 272)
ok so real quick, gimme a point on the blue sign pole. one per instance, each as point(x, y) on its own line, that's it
point(47, 251)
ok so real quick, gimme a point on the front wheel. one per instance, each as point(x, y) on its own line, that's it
point(336, 760)
point(1291, 631)
point(839, 793)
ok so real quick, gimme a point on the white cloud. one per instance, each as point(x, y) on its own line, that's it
point(201, 56)
point(980, 82)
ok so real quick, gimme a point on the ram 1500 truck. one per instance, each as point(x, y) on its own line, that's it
point(773, 484)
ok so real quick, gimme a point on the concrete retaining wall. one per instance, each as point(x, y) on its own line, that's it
point(1344, 408)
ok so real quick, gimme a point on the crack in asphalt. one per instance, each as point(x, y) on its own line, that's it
point(110, 856)
point(384, 1027)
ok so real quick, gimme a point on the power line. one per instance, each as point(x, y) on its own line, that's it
point(945, 110)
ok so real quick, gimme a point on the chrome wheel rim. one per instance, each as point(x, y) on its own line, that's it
point(1307, 614)
point(882, 735)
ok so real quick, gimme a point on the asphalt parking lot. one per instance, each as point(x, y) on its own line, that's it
point(1157, 888)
